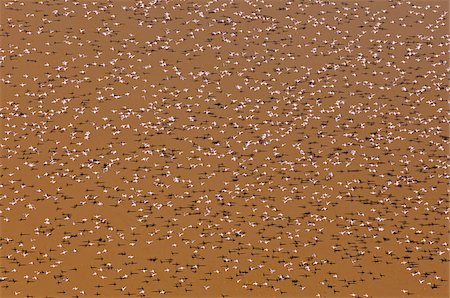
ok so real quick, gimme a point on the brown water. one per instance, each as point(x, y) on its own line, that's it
point(224, 148)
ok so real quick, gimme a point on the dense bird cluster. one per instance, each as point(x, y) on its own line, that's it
point(224, 148)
